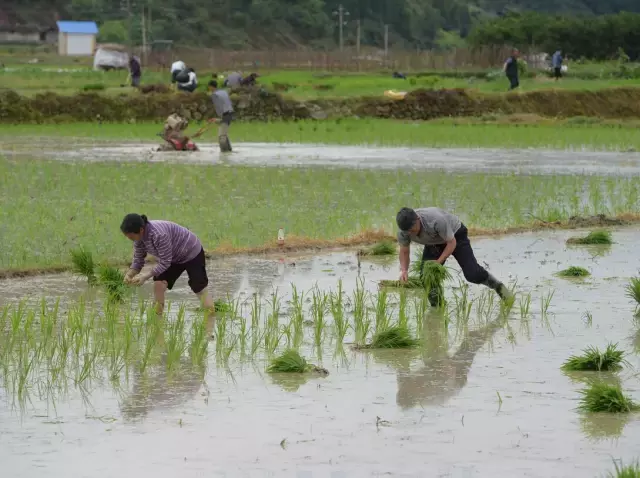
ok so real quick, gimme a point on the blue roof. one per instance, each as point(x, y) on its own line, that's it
point(89, 28)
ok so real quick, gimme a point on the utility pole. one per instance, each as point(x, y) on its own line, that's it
point(341, 12)
point(386, 43)
point(144, 37)
point(358, 37)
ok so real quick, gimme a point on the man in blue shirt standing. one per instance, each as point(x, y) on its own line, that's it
point(556, 62)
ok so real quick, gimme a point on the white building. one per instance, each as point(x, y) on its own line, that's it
point(77, 38)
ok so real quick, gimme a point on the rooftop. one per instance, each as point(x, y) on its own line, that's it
point(89, 28)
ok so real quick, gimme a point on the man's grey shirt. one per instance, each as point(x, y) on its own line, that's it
point(234, 79)
point(221, 102)
point(438, 227)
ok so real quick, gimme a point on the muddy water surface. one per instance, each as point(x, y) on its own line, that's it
point(435, 412)
point(271, 154)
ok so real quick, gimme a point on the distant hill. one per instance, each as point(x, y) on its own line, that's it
point(310, 23)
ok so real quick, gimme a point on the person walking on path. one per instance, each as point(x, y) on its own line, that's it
point(556, 62)
point(224, 109)
point(511, 70)
point(177, 250)
point(442, 235)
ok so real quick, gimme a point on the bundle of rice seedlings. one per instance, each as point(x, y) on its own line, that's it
point(394, 337)
point(596, 237)
point(292, 362)
point(112, 279)
point(625, 471)
point(82, 260)
point(434, 275)
point(603, 397)
point(221, 306)
point(633, 289)
point(574, 271)
point(593, 359)
point(384, 248)
point(412, 282)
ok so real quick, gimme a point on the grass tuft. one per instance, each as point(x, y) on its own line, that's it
point(595, 237)
point(292, 362)
point(633, 289)
point(82, 260)
point(392, 338)
point(625, 471)
point(384, 248)
point(593, 359)
point(574, 271)
point(603, 397)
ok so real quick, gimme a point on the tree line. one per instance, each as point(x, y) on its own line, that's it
point(411, 24)
point(602, 37)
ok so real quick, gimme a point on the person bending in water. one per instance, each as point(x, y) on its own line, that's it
point(442, 235)
point(177, 250)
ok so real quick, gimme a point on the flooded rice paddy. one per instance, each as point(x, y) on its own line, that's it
point(532, 161)
point(481, 396)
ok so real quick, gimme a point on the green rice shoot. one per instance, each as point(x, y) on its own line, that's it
point(394, 337)
point(603, 397)
point(383, 248)
point(112, 279)
point(82, 261)
point(292, 362)
point(633, 289)
point(592, 359)
point(625, 471)
point(600, 236)
point(574, 271)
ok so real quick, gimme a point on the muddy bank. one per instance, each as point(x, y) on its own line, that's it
point(297, 244)
point(259, 104)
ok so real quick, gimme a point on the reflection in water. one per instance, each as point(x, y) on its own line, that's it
point(604, 426)
point(442, 376)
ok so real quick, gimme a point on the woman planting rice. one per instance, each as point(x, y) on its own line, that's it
point(177, 250)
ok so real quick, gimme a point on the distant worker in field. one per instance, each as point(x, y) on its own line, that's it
point(224, 109)
point(250, 80)
point(511, 70)
point(177, 250)
point(233, 80)
point(442, 235)
point(135, 70)
point(173, 134)
point(176, 68)
point(188, 83)
point(556, 63)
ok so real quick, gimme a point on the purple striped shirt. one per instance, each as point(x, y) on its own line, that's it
point(168, 242)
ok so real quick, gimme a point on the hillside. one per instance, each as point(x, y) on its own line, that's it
point(312, 23)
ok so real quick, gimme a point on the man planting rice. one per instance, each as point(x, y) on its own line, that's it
point(442, 235)
point(177, 250)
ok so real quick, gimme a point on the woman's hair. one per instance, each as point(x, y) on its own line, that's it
point(132, 223)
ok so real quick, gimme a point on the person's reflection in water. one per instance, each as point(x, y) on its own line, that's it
point(160, 388)
point(443, 375)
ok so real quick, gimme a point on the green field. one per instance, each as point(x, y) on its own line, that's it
point(69, 79)
point(48, 208)
point(479, 132)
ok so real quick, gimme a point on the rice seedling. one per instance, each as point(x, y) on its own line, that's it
point(393, 337)
point(112, 279)
point(292, 362)
point(336, 305)
point(595, 237)
point(403, 317)
point(545, 302)
point(603, 397)
point(592, 359)
point(381, 308)
point(625, 471)
point(384, 248)
point(633, 289)
point(463, 304)
point(82, 261)
point(506, 305)
point(319, 301)
point(574, 271)
point(198, 344)
point(361, 319)
point(588, 318)
point(525, 305)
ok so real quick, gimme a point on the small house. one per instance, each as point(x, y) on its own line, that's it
point(77, 38)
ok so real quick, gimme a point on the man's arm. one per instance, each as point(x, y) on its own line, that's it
point(448, 250)
point(404, 262)
point(444, 230)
